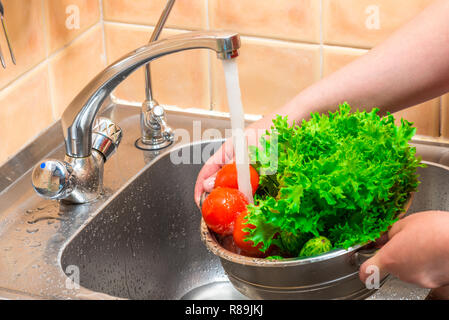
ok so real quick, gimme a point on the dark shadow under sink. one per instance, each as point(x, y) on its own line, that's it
point(145, 244)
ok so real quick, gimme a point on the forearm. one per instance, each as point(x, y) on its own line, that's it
point(410, 67)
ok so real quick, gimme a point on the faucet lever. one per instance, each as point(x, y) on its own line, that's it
point(53, 179)
point(79, 180)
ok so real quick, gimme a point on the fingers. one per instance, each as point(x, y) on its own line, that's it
point(382, 240)
point(206, 178)
point(397, 227)
point(403, 254)
point(379, 263)
point(209, 183)
point(372, 266)
point(400, 224)
point(441, 293)
point(383, 259)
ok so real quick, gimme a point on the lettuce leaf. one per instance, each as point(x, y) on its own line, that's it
point(343, 175)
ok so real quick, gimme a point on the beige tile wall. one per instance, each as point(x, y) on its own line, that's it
point(354, 23)
point(266, 80)
point(286, 46)
point(53, 63)
point(181, 79)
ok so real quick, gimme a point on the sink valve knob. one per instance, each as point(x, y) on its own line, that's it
point(53, 179)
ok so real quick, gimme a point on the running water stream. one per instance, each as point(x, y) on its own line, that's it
point(238, 127)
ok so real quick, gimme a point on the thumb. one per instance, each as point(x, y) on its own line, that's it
point(377, 263)
point(372, 266)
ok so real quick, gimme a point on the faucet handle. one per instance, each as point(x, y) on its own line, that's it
point(53, 179)
point(106, 137)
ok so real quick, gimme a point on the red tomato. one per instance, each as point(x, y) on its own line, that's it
point(227, 177)
point(221, 207)
point(239, 236)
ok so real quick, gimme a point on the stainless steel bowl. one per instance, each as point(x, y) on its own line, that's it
point(333, 275)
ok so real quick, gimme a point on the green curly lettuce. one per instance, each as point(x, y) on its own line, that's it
point(344, 175)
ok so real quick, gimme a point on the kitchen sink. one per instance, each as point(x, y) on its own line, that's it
point(141, 239)
point(145, 244)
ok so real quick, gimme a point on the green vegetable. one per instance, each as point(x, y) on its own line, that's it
point(274, 258)
point(315, 246)
point(292, 243)
point(345, 176)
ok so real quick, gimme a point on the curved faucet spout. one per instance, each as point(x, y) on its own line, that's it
point(78, 118)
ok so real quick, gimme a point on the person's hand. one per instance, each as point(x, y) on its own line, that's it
point(417, 251)
point(441, 293)
point(206, 178)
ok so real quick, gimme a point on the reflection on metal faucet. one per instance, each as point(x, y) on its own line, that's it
point(79, 178)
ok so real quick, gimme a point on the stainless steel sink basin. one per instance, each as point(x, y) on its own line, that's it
point(145, 244)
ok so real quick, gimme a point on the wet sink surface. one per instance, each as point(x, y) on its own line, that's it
point(145, 244)
point(141, 239)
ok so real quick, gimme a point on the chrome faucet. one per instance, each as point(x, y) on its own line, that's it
point(78, 179)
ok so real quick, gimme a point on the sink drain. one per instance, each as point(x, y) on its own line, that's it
point(222, 290)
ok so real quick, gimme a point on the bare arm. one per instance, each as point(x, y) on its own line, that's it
point(410, 67)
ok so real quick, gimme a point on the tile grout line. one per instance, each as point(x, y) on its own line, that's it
point(52, 55)
point(103, 32)
point(46, 61)
point(209, 61)
point(124, 24)
point(46, 39)
point(52, 98)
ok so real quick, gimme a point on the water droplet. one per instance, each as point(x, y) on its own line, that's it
point(34, 244)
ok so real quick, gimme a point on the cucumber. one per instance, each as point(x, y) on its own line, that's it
point(292, 243)
point(315, 246)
